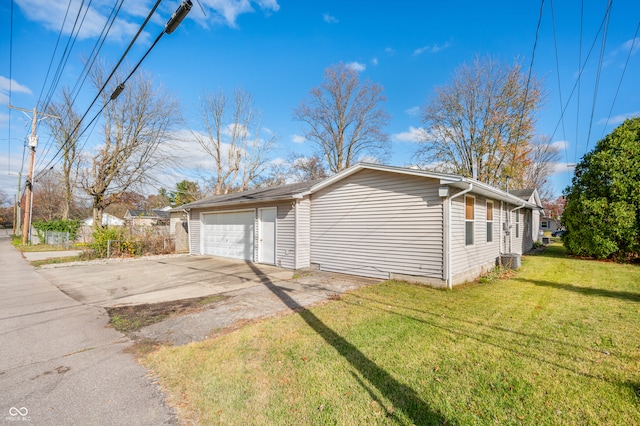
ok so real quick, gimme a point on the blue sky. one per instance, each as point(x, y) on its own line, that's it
point(278, 49)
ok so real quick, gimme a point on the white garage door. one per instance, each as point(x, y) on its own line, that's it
point(229, 234)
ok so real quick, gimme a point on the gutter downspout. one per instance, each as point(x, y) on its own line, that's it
point(509, 222)
point(188, 212)
point(449, 273)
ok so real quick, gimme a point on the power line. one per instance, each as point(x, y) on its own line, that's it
point(87, 67)
point(595, 89)
point(533, 55)
point(171, 25)
point(55, 49)
point(71, 134)
point(555, 45)
point(575, 157)
point(633, 42)
point(582, 67)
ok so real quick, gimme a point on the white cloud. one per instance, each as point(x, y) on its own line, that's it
point(51, 14)
point(297, 139)
point(560, 145)
point(431, 48)
point(634, 44)
point(414, 134)
point(389, 51)
point(619, 119)
point(15, 86)
point(374, 61)
point(356, 66)
point(329, 19)
point(413, 111)
point(227, 11)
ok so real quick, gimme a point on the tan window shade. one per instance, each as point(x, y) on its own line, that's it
point(469, 208)
point(489, 211)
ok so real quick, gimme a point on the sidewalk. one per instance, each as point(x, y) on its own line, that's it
point(60, 363)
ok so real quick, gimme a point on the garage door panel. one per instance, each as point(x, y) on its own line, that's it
point(229, 234)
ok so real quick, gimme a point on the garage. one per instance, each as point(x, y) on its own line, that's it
point(229, 234)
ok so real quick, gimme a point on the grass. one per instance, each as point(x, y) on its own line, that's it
point(556, 343)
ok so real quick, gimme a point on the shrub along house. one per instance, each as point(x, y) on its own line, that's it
point(370, 220)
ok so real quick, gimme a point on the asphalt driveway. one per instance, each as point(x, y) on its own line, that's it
point(252, 291)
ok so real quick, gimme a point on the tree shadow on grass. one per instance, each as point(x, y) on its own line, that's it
point(403, 397)
point(587, 291)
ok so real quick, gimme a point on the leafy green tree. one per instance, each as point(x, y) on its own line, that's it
point(186, 192)
point(602, 215)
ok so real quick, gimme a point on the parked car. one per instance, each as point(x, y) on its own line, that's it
point(558, 233)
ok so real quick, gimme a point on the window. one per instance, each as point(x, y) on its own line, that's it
point(517, 223)
point(489, 221)
point(469, 216)
point(544, 224)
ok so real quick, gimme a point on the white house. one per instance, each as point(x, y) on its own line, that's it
point(370, 220)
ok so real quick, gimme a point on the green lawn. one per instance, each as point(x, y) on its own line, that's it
point(557, 343)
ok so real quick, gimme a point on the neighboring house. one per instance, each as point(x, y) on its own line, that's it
point(369, 220)
point(152, 217)
point(549, 224)
point(107, 220)
point(531, 196)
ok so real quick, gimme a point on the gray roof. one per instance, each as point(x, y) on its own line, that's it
point(154, 213)
point(525, 194)
point(274, 193)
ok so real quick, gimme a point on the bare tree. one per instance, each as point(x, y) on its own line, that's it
point(137, 128)
point(234, 140)
point(543, 156)
point(344, 118)
point(48, 192)
point(481, 123)
point(67, 141)
point(296, 168)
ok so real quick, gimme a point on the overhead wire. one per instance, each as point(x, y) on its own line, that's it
point(581, 70)
point(10, 81)
point(75, 30)
point(555, 45)
point(55, 50)
point(533, 55)
point(624, 69)
point(597, 84)
point(97, 47)
point(575, 157)
point(53, 160)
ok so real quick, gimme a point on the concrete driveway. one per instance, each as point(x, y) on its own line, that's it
point(156, 279)
point(252, 291)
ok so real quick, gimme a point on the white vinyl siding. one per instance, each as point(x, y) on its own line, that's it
point(303, 249)
point(376, 223)
point(471, 258)
point(285, 255)
point(194, 232)
point(285, 227)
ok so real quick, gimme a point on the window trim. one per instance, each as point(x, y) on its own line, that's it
point(517, 212)
point(491, 221)
point(472, 221)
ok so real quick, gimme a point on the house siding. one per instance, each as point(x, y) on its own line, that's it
point(194, 232)
point(285, 225)
point(378, 224)
point(285, 236)
point(469, 261)
point(303, 236)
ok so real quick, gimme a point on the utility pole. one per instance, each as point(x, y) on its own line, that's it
point(33, 143)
